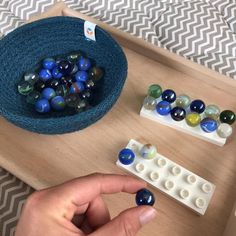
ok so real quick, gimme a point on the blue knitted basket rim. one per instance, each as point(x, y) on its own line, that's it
point(43, 125)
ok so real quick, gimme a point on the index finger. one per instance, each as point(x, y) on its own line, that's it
point(85, 189)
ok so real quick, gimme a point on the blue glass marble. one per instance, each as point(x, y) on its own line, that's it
point(77, 87)
point(178, 113)
point(84, 64)
point(144, 197)
point(42, 106)
point(58, 103)
point(49, 63)
point(163, 108)
point(197, 106)
point(81, 76)
point(65, 67)
point(168, 95)
point(208, 125)
point(56, 73)
point(126, 156)
point(45, 75)
point(48, 93)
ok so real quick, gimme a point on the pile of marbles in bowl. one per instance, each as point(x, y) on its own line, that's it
point(193, 113)
point(60, 83)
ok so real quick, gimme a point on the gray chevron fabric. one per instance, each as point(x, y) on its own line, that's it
point(13, 194)
point(203, 31)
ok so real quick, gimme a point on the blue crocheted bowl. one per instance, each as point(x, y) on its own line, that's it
point(21, 50)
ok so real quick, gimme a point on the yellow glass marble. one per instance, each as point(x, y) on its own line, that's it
point(193, 119)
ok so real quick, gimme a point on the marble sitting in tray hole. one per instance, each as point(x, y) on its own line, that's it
point(139, 167)
point(200, 202)
point(191, 179)
point(169, 184)
point(206, 188)
point(161, 162)
point(154, 176)
point(184, 193)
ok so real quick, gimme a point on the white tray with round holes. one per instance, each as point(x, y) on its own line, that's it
point(172, 179)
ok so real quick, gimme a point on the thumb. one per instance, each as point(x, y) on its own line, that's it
point(128, 222)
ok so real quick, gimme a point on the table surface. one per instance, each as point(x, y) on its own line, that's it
point(43, 161)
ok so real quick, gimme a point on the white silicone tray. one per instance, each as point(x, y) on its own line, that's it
point(182, 126)
point(172, 179)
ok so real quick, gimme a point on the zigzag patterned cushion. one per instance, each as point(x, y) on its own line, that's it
point(13, 193)
point(203, 31)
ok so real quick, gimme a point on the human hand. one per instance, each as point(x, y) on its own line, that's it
point(50, 212)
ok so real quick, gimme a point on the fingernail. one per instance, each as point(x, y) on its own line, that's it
point(147, 215)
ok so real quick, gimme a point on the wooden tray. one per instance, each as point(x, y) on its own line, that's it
point(43, 161)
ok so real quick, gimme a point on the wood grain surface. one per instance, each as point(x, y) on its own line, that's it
point(43, 161)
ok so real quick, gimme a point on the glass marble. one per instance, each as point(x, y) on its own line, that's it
point(49, 63)
point(212, 111)
point(163, 108)
point(77, 87)
point(42, 106)
point(65, 67)
point(67, 80)
point(54, 83)
point(45, 75)
point(56, 74)
point(74, 70)
point(149, 103)
point(154, 91)
point(96, 73)
point(224, 130)
point(168, 95)
point(183, 101)
point(193, 119)
point(81, 76)
point(84, 64)
point(62, 90)
point(74, 56)
point(178, 113)
point(39, 85)
point(31, 77)
point(208, 125)
point(25, 87)
point(90, 84)
point(72, 99)
point(144, 197)
point(48, 93)
point(126, 156)
point(197, 106)
point(33, 97)
point(148, 151)
point(81, 106)
point(58, 103)
point(87, 95)
point(228, 117)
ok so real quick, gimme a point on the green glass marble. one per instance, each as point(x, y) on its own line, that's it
point(212, 111)
point(96, 73)
point(33, 97)
point(74, 56)
point(193, 119)
point(228, 117)
point(62, 90)
point(154, 91)
point(149, 103)
point(25, 87)
point(183, 101)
